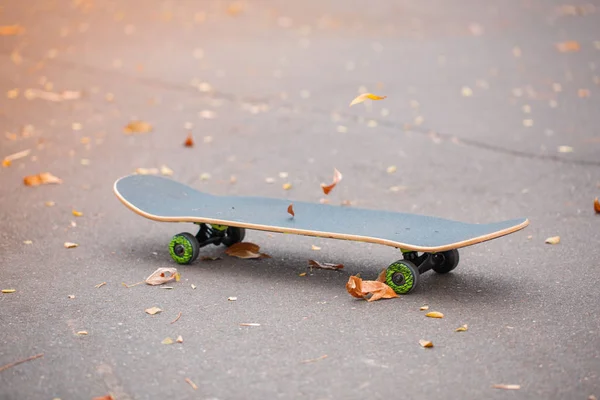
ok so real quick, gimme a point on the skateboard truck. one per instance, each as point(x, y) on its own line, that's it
point(185, 247)
point(403, 275)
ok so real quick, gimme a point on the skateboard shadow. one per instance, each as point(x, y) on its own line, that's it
point(480, 285)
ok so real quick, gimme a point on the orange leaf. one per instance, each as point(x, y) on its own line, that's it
point(290, 210)
point(337, 177)
point(317, 264)
point(11, 30)
point(365, 96)
point(245, 250)
point(189, 141)
point(362, 289)
point(137, 127)
point(107, 397)
point(41, 179)
point(597, 206)
point(569, 46)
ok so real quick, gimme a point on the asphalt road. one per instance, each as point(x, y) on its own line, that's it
point(485, 119)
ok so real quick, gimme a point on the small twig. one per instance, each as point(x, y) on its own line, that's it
point(314, 359)
point(192, 384)
point(7, 366)
point(100, 285)
point(135, 284)
point(176, 319)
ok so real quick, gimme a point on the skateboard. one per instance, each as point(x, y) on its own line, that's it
point(426, 242)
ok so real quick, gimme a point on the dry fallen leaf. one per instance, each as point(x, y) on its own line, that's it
point(164, 170)
point(245, 250)
point(507, 387)
point(167, 340)
point(597, 206)
point(434, 314)
point(189, 141)
point(425, 343)
point(423, 308)
point(365, 96)
point(324, 265)
point(316, 248)
point(45, 178)
point(337, 177)
point(77, 213)
point(9, 290)
point(82, 333)
point(232, 298)
point(137, 127)
point(565, 149)
point(553, 240)
point(462, 328)
point(568, 46)
point(290, 210)
point(70, 245)
point(583, 93)
point(163, 275)
point(11, 30)
point(179, 339)
point(152, 310)
point(362, 289)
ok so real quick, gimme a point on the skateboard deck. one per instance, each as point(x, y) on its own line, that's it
point(163, 199)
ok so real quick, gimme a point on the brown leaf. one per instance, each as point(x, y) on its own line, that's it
point(568, 46)
point(434, 314)
point(324, 265)
point(424, 308)
point(507, 387)
point(362, 289)
point(70, 245)
point(553, 240)
point(45, 178)
point(382, 276)
point(290, 210)
point(597, 206)
point(189, 141)
point(425, 343)
point(163, 275)
point(11, 30)
point(179, 339)
point(137, 127)
point(337, 177)
point(462, 328)
point(365, 96)
point(152, 310)
point(107, 397)
point(8, 290)
point(245, 250)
